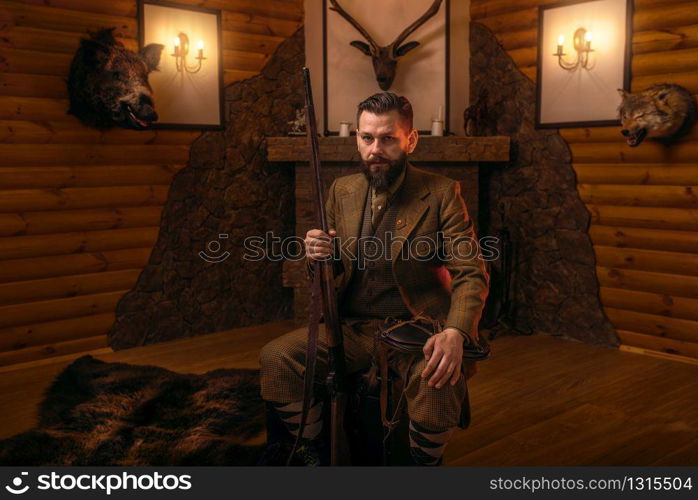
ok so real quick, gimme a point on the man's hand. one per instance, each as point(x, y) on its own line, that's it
point(318, 243)
point(444, 355)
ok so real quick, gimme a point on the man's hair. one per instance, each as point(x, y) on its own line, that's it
point(384, 102)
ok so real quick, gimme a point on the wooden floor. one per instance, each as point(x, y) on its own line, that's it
point(539, 400)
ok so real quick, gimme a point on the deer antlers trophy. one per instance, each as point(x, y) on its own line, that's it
point(385, 58)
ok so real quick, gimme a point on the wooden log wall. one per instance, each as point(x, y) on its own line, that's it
point(643, 201)
point(80, 208)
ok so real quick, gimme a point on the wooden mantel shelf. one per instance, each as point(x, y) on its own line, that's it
point(452, 149)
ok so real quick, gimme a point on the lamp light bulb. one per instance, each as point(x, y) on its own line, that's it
point(587, 36)
point(200, 44)
point(176, 41)
point(560, 39)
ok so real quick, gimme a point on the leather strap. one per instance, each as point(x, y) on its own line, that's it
point(310, 356)
point(384, 346)
point(383, 367)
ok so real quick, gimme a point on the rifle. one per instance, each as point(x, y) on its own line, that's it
point(323, 290)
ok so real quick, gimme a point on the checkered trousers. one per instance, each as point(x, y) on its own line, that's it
point(283, 366)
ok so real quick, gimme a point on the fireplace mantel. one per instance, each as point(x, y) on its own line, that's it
point(450, 149)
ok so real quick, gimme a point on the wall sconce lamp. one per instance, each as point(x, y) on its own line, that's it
point(181, 50)
point(582, 46)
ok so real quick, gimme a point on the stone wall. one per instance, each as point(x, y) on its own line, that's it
point(536, 199)
point(228, 188)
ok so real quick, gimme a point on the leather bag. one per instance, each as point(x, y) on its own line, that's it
point(409, 337)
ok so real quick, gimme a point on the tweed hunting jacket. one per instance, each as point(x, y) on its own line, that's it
point(436, 260)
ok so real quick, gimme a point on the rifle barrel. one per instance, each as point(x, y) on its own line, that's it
point(336, 379)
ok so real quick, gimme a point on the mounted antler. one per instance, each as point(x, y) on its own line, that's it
point(385, 58)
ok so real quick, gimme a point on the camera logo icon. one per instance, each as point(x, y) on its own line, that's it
point(16, 487)
point(214, 247)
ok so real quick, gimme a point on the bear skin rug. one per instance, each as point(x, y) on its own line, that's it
point(98, 413)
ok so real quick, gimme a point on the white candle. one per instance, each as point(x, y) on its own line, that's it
point(344, 129)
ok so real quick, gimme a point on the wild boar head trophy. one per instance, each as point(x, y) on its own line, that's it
point(108, 84)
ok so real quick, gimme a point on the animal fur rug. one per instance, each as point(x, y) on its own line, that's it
point(98, 413)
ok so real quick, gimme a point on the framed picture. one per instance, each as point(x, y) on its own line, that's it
point(583, 59)
point(421, 74)
point(188, 87)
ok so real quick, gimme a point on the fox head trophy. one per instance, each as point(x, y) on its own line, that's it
point(108, 84)
point(663, 112)
point(384, 58)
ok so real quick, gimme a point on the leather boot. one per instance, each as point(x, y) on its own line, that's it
point(279, 439)
point(415, 461)
point(310, 453)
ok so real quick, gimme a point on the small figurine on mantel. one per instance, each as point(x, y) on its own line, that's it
point(298, 125)
point(475, 117)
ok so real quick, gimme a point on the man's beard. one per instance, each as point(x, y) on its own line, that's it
point(383, 178)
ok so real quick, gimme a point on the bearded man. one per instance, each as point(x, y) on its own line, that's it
point(391, 206)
